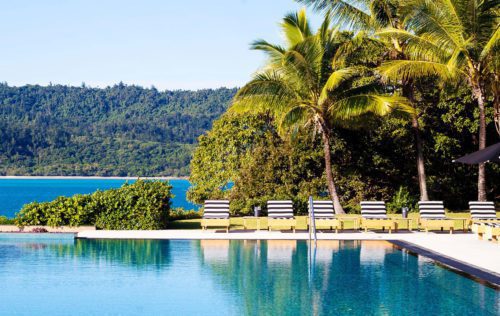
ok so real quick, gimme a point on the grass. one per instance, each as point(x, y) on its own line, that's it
point(237, 222)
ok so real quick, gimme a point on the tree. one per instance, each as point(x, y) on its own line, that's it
point(454, 40)
point(305, 86)
point(217, 159)
point(280, 169)
point(370, 16)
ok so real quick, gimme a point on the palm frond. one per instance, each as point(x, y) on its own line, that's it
point(360, 42)
point(266, 92)
point(275, 52)
point(299, 68)
point(368, 103)
point(295, 27)
point(352, 14)
point(452, 8)
point(430, 18)
point(334, 81)
point(387, 13)
point(491, 44)
point(297, 115)
point(418, 47)
point(370, 87)
point(408, 69)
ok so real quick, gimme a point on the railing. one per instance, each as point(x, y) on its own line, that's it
point(312, 222)
point(312, 236)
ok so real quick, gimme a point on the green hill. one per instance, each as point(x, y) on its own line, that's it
point(115, 131)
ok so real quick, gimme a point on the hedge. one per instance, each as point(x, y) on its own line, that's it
point(140, 205)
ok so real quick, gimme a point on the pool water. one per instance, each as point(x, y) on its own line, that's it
point(61, 276)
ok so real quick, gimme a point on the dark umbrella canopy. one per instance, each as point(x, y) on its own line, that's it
point(489, 154)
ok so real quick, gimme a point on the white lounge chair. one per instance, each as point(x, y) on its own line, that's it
point(216, 214)
point(324, 216)
point(280, 214)
point(481, 213)
point(374, 216)
point(433, 217)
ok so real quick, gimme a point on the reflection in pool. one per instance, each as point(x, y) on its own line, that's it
point(220, 277)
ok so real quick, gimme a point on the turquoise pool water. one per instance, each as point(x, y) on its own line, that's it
point(14, 193)
point(59, 276)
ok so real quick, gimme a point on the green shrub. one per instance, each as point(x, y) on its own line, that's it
point(4, 220)
point(401, 199)
point(141, 205)
point(180, 213)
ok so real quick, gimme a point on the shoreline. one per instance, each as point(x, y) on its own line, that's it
point(88, 178)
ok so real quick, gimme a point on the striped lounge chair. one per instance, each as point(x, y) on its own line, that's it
point(374, 216)
point(280, 214)
point(482, 212)
point(492, 231)
point(433, 217)
point(216, 214)
point(324, 216)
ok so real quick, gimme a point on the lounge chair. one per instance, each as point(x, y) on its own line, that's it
point(492, 231)
point(324, 216)
point(481, 212)
point(280, 214)
point(216, 214)
point(433, 217)
point(374, 216)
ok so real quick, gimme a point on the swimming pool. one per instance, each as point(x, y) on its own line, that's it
point(59, 276)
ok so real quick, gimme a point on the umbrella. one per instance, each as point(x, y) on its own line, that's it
point(488, 154)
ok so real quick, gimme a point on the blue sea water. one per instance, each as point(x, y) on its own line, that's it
point(14, 193)
point(222, 277)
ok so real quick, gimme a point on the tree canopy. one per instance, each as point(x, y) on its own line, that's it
point(372, 158)
point(115, 131)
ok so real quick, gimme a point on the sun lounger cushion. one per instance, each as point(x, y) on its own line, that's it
point(216, 209)
point(494, 225)
point(431, 210)
point(482, 210)
point(373, 209)
point(280, 209)
point(323, 209)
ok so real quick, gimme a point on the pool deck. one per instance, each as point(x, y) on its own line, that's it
point(464, 248)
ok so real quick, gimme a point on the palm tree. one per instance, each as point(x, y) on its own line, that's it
point(373, 15)
point(304, 85)
point(452, 39)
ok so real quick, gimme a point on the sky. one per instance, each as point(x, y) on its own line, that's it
point(188, 44)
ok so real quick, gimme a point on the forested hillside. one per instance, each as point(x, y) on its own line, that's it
point(116, 131)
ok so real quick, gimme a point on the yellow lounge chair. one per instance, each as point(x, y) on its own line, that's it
point(482, 212)
point(216, 214)
point(324, 216)
point(374, 216)
point(492, 231)
point(280, 214)
point(433, 217)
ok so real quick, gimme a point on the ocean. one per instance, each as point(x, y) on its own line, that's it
point(14, 193)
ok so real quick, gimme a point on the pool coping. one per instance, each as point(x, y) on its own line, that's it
point(481, 275)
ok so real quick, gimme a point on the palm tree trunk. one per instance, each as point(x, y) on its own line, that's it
point(422, 184)
point(329, 174)
point(481, 179)
point(422, 180)
point(496, 103)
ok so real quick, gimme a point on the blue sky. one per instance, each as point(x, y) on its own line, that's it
point(188, 44)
